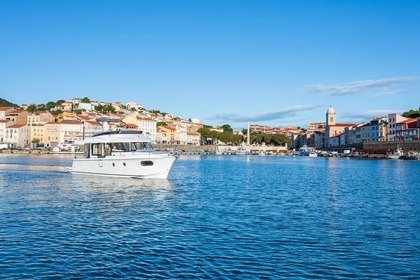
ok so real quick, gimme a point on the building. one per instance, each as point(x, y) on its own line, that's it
point(165, 134)
point(18, 116)
point(317, 126)
point(193, 137)
point(17, 136)
point(4, 111)
point(40, 118)
point(407, 130)
point(393, 119)
point(59, 133)
point(3, 125)
point(332, 128)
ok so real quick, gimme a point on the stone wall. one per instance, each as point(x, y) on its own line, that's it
point(384, 147)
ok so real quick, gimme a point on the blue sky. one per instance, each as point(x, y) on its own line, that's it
point(272, 62)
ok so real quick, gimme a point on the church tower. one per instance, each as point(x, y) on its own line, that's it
point(330, 116)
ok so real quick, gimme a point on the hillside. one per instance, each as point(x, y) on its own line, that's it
point(5, 103)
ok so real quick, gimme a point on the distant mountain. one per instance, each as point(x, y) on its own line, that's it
point(5, 103)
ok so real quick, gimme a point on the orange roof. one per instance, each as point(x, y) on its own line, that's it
point(4, 121)
point(5, 108)
point(408, 120)
point(145, 118)
point(131, 124)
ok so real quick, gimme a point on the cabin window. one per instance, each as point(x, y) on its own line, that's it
point(107, 149)
point(120, 147)
point(138, 146)
point(86, 151)
point(97, 150)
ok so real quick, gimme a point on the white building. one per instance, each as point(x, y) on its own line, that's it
point(3, 125)
point(393, 119)
point(17, 136)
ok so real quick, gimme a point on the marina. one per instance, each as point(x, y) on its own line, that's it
point(236, 216)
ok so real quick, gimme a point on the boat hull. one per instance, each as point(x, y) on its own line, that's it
point(151, 166)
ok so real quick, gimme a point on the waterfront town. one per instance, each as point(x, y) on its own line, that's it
point(59, 125)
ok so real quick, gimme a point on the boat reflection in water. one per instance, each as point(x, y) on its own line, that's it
point(122, 154)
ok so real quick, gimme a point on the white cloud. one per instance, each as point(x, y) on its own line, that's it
point(278, 115)
point(358, 87)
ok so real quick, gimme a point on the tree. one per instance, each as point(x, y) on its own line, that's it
point(162, 124)
point(227, 127)
point(50, 105)
point(85, 100)
point(31, 108)
point(60, 101)
point(56, 112)
point(412, 114)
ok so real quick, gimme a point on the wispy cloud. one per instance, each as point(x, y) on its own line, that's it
point(395, 92)
point(358, 87)
point(370, 114)
point(277, 115)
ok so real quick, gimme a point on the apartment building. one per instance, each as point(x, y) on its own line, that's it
point(66, 132)
point(3, 125)
point(17, 136)
point(165, 134)
point(393, 119)
point(407, 130)
point(4, 111)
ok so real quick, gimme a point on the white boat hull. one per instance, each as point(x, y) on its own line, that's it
point(135, 166)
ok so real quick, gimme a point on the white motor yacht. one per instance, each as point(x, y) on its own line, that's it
point(122, 154)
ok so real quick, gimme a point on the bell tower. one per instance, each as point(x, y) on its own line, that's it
point(330, 116)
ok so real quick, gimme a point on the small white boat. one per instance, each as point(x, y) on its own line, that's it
point(122, 154)
point(313, 154)
point(240, 151)
point(396, 155)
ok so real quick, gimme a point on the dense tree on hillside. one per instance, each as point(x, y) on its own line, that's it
point(49, 105)
point(31, 108)
point(56, 112)
point(60, 101)
point(5, 103)
point(105, 109)
point(412, 114)
point(162, 124)
point(85, 100)
point(227, 127)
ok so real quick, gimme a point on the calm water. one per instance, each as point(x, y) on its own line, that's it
point(216, 217)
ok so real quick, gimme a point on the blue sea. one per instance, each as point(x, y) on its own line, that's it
point(216, 217)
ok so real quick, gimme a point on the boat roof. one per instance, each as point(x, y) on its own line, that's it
point(120, 136)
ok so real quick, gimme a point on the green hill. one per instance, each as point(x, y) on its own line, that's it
point(5, 103)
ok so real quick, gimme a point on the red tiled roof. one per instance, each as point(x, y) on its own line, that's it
point(408, 120)
point(5, 108)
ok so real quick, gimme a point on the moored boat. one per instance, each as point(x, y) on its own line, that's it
point(122, 154)
point(397, 154)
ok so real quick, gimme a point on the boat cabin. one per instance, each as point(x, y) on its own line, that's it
point(116, 143)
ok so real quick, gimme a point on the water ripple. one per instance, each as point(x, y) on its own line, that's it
point(217, 217)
